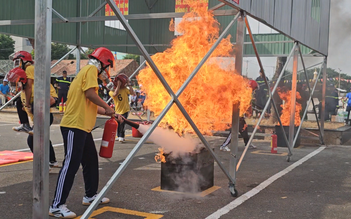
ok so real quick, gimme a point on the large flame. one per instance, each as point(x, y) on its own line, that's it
point(285, 117)
point(210, 95)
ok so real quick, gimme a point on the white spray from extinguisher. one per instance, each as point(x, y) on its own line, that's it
point(171, 141)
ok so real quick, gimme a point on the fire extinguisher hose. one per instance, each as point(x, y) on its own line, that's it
point(132, 124)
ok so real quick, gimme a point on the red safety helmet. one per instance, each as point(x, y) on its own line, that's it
point(25, 56)
point(122, 78)
point(253, 84)
point(17, 75)
point(103, 55)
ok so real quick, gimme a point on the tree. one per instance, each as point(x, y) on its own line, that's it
point(87, 52)
point(131, 56)
point(59, 50)
point(7, 46)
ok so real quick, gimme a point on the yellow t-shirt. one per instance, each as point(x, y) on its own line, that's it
point(80, 111)
point(30, 72)
point(121, 101)
point(53, 91)
point(23, 98)
point(30, 75)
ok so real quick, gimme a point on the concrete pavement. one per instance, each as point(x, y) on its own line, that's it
point(313, 185)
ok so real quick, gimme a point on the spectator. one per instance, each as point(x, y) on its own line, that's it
point(261, 95)
point(63, 84)
point(132, 101)
point(138, 100)
point(348, 108)
point(301, 88)
point(142, 100)
point(331, 102)
point(242, 126)
point(4, 91)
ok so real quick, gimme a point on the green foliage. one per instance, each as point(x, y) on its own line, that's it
point(332, 75)
point(131, 56)
point(7, 46)
point(87, 52)
point(59, 50)
point(32, 53)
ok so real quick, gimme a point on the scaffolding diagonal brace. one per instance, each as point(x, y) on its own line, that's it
point(308, 103)
point(321, 137)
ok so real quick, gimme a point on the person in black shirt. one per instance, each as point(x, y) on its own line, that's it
point(261, 95)
point(63, 84)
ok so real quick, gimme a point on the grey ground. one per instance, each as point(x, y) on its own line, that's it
point(319, 188)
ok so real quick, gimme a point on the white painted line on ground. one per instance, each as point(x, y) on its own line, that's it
point(54, 145)
point(260, 187)
point(5, 124)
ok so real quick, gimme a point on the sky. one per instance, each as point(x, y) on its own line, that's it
point(339, 43)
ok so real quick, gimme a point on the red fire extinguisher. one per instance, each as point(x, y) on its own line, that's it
point(108, 138)
point(61, 105)
point(274, 144)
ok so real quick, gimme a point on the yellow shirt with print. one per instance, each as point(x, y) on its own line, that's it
point(80, 111)
point(121, 100)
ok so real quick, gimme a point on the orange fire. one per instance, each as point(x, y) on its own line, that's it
point(285, 117)
point(210, 96)
point(159, 157)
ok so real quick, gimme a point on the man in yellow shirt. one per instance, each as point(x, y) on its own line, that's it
point(121, 100)
point(83, 104)
point(18, 75)
point(23, 60)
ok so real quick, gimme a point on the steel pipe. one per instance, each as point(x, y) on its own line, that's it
point(60, 16)
point(43, 25)
point(305, 112)
point(239, 51)
point(293, 99)
point(8, 102)
point(321, 137)
point(63, 57)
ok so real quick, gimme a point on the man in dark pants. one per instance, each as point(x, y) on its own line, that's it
point(331, 102)
point(83, 105)
point(242, 125)
point(63, 84)
point(23, 60)
point(261, 93)
point(18, 75)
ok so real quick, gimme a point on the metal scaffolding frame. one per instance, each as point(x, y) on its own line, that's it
point(43, 22)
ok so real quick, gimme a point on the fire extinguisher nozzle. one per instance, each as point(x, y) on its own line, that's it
point(132, 124)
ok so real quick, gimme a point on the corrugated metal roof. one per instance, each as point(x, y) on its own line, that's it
point(278, 49)
point(95, 34)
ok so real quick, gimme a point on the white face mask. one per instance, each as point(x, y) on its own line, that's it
point(103, 76)
point(17, 63)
